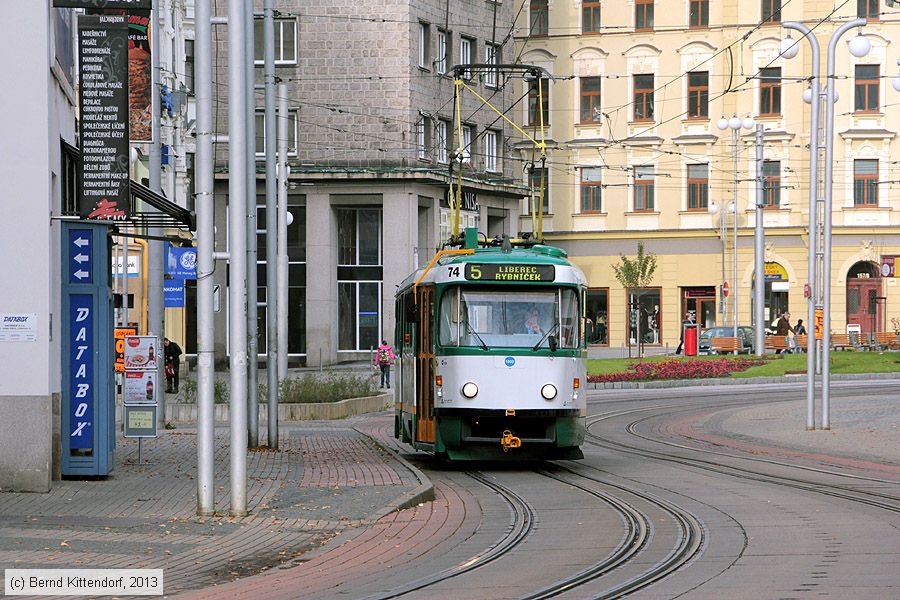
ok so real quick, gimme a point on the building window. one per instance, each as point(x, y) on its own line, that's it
point(643, 15)
point(189, 66)
point(424, 45)
point(491, 57)
point(698, 187)
point(772, 183)
point(442, 153)
point(465, 55)
point(865, 183)
point(539, 11)
point(699, 14)
point(865, 91)
point(770, 92)
point(590, 16)
point(491, 153)
point(867, 9)
point(590, 100)
point(443, 51)
point(643, 316)
point(261, 132)
point(538, 94)
point(771, 11)
point(465, 142)
point(698, 95)
point(643, 97)
point(359, 278)
point(644, 184)
point(539, 177)
point(423, 137)
point(590, 190)
point(285, 42)
point(597, 312)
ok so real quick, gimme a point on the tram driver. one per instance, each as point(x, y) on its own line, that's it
point(533, 322)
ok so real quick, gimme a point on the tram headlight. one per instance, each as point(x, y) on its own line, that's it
point(548, 391)
point(470, 390)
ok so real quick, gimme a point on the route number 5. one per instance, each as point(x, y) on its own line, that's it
point(475, 271)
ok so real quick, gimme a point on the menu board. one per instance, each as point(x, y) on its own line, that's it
point(139, 387)
point(103, 60)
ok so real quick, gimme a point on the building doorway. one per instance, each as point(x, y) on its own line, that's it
point(701, 303)
point(775, 295)
point(864, 298)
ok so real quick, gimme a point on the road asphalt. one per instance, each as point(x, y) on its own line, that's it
point(329, 482)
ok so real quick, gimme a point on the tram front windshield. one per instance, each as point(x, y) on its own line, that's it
point(500, 317)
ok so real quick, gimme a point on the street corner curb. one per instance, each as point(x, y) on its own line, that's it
point(424, 492)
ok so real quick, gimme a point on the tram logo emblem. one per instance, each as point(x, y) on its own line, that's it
point(510, 361)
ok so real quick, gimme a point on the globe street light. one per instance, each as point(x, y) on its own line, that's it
point(821, 285)
point(735, 123)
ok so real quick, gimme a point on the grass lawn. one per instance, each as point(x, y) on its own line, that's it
point(841, 362)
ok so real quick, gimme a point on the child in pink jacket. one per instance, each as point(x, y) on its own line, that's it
point(384, 356)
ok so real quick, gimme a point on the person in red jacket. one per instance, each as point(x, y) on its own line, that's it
point(384, 356)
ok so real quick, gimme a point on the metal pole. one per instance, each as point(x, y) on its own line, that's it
point(252, 289)
point(204, 203)
point(271, 226)
point(826, 260)
point(156, 248)
point(237, 240)
point(123, 284)
point(813, 222)
point(283, 173)
point(759, 251)
point(735, 137)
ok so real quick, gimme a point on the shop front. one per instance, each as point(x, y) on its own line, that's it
point(700, 303)
point(775, 295)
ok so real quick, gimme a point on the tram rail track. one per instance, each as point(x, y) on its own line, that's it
point(874, 499)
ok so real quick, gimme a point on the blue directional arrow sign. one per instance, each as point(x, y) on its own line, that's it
point(81, 256)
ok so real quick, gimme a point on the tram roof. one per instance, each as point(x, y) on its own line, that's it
point(538, 254)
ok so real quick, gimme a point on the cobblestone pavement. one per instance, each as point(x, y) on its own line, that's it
point(327, 479)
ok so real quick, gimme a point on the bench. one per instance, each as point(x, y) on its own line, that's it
point(801, 340)
point(778, 343)
point(721, 345)
point(841, 341)
point(885, 340)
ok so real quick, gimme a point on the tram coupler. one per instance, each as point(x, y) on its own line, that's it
point(508, 440)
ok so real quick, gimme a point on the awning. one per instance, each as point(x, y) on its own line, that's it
point(167, 213)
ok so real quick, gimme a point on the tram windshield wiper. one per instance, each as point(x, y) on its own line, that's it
point(477, 337)
point(546, 335)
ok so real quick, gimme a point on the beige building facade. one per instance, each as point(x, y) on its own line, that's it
point(635, 154)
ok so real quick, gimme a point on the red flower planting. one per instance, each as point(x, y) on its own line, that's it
point(673, 368)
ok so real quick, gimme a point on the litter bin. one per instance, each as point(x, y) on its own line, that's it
point(690, 340)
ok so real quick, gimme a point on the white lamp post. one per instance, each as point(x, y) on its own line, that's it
point(735, 124)
point(821, 285)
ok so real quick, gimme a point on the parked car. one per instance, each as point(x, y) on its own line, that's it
point(745, 335)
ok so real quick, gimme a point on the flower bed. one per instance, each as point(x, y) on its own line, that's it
point(673, 368)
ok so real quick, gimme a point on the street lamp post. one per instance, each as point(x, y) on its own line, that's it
point(735, 123)
point(858, 47)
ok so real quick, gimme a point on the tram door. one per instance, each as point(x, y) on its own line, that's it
point(425, 367)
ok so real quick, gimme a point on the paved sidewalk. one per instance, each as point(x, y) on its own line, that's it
point(328, 479)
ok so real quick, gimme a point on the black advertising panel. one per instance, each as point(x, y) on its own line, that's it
point(495, 272)
point(102, 3)
point(103, 58)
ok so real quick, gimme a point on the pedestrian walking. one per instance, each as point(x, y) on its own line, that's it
point(799, 329)
point(172, 353)
point(783, 328)
point(384, 356)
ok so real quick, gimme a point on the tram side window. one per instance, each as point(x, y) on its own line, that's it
point(449, 319)
point(569, 330)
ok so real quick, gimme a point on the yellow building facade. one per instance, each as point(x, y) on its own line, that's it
point(635, 154)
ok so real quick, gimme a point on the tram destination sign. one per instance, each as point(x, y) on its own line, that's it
point(499, 272)
point(103, 53)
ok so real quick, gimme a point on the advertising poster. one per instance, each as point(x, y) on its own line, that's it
point(103, 97)
point(139, 75)
point(119, 334)
point(142, 353)
point(139, 387)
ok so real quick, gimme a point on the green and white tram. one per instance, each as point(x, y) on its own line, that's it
point(492, 354)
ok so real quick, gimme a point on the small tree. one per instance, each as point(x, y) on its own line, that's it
point(636, 273)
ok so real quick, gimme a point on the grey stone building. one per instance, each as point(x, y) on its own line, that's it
point(372, 136)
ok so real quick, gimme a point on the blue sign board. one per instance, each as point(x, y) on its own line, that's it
point(81, 371)
point(81, 256)
point(181, 263)
point(173, 293)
